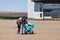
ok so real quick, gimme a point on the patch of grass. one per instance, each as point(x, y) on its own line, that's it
point(7, 17)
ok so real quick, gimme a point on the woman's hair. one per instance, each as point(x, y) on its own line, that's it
point(24, 17)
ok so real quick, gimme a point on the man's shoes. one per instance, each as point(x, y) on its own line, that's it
point(22, 33)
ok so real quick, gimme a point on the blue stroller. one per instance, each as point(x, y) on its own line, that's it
point(29, 28)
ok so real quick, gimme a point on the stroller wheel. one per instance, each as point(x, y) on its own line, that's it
point(32, 32)
point(25, 32)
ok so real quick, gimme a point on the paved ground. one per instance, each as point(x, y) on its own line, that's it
point(44, 30)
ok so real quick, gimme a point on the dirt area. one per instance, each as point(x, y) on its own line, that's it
point(44, 30)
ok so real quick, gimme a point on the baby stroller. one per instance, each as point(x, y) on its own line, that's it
point(29, 28)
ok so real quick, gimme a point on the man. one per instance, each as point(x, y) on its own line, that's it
point(24, 22)
point(19, 21)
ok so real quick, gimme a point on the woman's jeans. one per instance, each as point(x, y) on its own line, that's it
point(23, 28)
point(18, 26)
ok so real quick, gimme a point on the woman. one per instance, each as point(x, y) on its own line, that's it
point(19, 21)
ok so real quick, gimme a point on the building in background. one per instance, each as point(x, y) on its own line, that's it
point(43, 9)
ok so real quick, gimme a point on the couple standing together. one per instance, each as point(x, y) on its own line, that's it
point(21, 21)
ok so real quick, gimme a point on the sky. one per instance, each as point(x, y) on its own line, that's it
point(13, 5)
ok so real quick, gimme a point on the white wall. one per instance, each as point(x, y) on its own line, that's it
point(30, 9)
point(31, 13)
point(47, 17)
point(37, 15)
